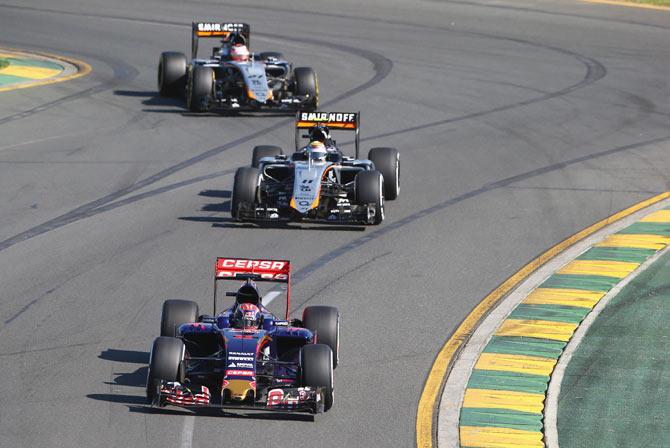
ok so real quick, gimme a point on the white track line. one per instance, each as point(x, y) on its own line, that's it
point(554, 391)
point(269, 297)
point(187, 432)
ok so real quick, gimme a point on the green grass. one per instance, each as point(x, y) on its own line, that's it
point(3, 63)
point(651, 2)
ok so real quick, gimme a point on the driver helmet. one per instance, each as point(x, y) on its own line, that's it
point(247, 317)
point(319, 133)
point(317, 151)
point(239, 53)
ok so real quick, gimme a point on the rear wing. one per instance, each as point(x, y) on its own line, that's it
point(216, 29)
point(344, 121)
point(260, 270)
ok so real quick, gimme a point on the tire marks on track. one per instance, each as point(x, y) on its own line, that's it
point(317, 264)
point(382, 66)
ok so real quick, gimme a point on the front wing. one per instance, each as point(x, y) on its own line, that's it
point(279, 399)
point(355, 214)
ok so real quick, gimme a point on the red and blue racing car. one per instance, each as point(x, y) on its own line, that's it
point(245, 357)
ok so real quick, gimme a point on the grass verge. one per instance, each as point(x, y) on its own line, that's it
point(651, 2)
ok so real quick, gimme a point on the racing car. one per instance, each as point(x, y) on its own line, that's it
point(317, 182)
point(245, 357)
point(232, 78)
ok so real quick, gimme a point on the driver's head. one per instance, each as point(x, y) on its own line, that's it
point(239, 53)
point(317, 151)
point(247, 317)
point(319, 133)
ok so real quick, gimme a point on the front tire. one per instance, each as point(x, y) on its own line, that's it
point(244, 189)
point(264, 151)
point(316, 370)
point(200, 87)
point(369, 187)
point(177, 312)
point(387, 161)
point(171, 74)
point(306, 83)
point(166, 364)
point(325, 322)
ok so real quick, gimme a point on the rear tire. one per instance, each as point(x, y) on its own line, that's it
point(387, 161)
point(316, 362)
point(369, 187)
point(325, 322)
point(177, 312)
point(165, 363)
point(306, 83)
point(244, 189)
point(171, 74)
point(264, 151)
point(199, 91)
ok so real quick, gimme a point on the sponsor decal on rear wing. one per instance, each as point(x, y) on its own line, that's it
point(334, 120)
point(256, 269)
point(343, 121)
point(263, 270)
point(221, 30)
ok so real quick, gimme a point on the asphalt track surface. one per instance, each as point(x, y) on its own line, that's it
point(519, 123)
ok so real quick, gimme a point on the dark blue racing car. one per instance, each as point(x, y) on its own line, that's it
point(245, 357)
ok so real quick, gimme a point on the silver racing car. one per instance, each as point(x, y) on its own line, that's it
point(233, 78)
point(317, 182)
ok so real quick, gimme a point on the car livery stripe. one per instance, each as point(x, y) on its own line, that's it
point(503, 405)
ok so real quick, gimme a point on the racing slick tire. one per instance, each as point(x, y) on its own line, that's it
point(387, 161)
point(325, 322)
point(271, 54)
point(244, 189)
point(175, 313)
point(264, 151)
point(165, 363)
point(171, 74)
point(306, 83)
point(316, 370)
point(369, 187)
point(199, 90)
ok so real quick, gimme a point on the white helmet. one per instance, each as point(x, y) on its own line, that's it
point(239, 53)
point(317, 151)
